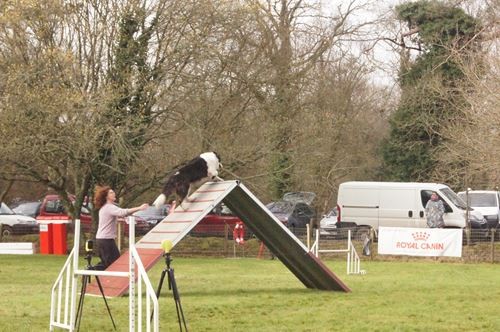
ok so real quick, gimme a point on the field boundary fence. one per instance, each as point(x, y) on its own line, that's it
point(479, 246)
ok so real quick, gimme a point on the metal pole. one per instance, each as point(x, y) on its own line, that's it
point(76, 252)
point(467, 213)
point(348, 251)
point(120, 237)
point(234, 249)
point(226, 239)
point(131, 243)
point(372, 240)
point(492, 245)
point(308, 232)
point(317, 243)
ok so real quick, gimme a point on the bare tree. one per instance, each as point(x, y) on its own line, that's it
point(5, 190)
point(345, 121)
point(79, 91)
point(293, 37)
point(120, 92)
point(471, 142)
point(475, 139)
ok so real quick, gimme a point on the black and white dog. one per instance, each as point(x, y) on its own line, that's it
point(195, 172)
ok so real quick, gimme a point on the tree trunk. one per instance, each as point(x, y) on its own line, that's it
point(5, 191)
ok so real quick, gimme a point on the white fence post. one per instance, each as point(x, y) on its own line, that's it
point(76, 257)
point(353, 261)
point(70, 273)
point(131, 241)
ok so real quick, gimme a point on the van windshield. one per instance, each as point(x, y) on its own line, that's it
point(457, 201)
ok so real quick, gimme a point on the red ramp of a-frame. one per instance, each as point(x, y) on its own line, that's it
point(117, 286)
point(284, 244)
point(174, 227)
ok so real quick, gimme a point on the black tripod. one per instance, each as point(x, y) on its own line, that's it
point(173, 286)
point(85, 281)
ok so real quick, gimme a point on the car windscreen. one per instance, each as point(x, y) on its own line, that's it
point(332, 213)
point(27, 208)
point(481, 199)
point(4, 209)
point(457, 201)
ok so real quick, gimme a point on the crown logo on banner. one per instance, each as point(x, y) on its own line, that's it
point(420, 236)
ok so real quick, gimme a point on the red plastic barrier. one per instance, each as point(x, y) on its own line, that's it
point(59, 242)
point(46, 239)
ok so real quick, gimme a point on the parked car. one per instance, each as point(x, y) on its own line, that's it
point(328, 224)
point(485, 201)
point(13, 223)
point(294, 210)
point(141, 226)
point(153, 215)
point(53, 208)
point(214, 223)
point(30, 209)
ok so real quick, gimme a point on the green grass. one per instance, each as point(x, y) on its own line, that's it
point(262, 295)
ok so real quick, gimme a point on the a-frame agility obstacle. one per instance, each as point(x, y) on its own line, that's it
point(280, 241)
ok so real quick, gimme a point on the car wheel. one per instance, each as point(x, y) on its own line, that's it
point(362, 233)
point(7, 230)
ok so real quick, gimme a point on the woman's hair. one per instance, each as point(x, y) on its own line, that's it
point(100, 195)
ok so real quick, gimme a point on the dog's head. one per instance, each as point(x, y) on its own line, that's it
point(218, 158)
point(212, 158)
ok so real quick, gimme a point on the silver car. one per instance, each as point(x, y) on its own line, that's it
point(328, 224)
point(485, 201)
point(15, 223)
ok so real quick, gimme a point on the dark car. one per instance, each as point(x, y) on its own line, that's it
point(153, 215)
point(294, 210)
point(30, 209)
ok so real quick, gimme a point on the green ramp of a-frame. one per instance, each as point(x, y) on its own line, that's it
point(291, 252)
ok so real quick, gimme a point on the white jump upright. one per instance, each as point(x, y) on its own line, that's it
point(353, 261)
point(64, 292)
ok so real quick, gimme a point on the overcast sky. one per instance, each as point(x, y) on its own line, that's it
point(383, 56)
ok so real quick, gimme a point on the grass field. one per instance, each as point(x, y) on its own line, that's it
point(262, 295)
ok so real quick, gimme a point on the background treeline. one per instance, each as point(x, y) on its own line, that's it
point(120, 92)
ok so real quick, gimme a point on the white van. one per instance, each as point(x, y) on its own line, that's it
point(366, 205)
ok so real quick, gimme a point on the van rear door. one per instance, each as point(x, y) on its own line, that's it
point(398, 207)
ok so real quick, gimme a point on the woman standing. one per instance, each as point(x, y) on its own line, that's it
point(434, 209)
point(104, 201)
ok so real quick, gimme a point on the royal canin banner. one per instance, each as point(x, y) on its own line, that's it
point(420, 241)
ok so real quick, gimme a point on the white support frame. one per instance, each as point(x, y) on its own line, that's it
point(68, 280)
point(353, 261)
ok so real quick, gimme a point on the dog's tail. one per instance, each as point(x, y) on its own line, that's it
point(168, 189)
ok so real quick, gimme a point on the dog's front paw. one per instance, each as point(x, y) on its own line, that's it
point(183, 205)
point(217, 179)
point(160, 201)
